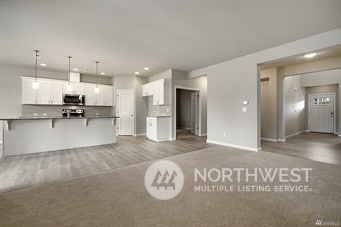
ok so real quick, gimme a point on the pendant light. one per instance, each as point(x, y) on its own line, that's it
point(35, 83)
point(96, 88)
point(68, 86)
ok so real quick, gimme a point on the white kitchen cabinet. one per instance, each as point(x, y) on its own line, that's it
point(146, 90)
point(159, 128)
point(44, 92)
point(107, 95)
point(29, 95)
point(99, 97)
point(76, 88)
point(89, 91)
point(49, 92)
point(56, 90)
point(159, 90)
point(102, 98)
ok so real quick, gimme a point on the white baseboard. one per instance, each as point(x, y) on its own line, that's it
point(294, 134)
point(234, 146)
point(269, 139)
point(281, 140)
point(204, 134)
point(1, 141)
point(141, 134)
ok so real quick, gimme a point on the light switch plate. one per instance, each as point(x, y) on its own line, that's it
point(244, 109)
point(245, 102)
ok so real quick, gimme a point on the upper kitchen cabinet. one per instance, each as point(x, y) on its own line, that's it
point(103, 98)
point(147, 90)
point(107, 95)
point(49, 92)
point(159, 90)
point(76, 88)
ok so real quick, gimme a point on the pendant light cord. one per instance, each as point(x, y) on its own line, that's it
point(97, 73)
point(36, 67)
point(69, 69)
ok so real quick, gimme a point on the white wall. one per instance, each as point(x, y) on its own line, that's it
point(231, 82)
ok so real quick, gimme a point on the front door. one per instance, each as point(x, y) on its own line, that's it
point(321, 113)
point(126, 111)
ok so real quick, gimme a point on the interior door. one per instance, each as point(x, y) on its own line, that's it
point(321, 113)
point(195, 112)
point(126, 111)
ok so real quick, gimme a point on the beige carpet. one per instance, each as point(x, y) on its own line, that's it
point(118, 197)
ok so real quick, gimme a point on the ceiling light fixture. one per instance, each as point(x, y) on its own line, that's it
point(68, 86)
point(43, 64)
point(311, 55)
point(137, 73)
point(146, 68)
point(102, 73)
point(75, 69)
point(35, 83)
point(96, 87)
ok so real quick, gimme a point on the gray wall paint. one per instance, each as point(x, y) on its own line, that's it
point(92, 79)
point(294, 101)
point(323, 89)
point(10, 93)
point(231, 82)
point(183, 108)
point(269, 104)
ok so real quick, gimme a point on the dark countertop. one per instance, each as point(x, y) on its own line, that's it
point(57, 117)
point(159, 116)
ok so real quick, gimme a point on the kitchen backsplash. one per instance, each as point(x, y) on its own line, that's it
point(165, 110)
point(30, 110)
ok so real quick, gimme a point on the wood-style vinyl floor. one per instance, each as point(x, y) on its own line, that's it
point(24, 171)
point(319, 147)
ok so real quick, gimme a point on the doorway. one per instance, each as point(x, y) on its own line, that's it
point(321, 113)
point(188, 112)
point(126, 112)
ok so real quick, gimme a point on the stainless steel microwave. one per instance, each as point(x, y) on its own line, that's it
point(75, 100)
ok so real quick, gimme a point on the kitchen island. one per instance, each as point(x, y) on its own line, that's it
point(25, 135)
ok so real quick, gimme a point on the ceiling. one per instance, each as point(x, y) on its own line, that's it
point(300, 59)
point(128, 35)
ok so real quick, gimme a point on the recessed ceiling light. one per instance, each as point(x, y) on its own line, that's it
point(102, 73)
point(311, 55)
point(43, 64)
point(75, 69)
point(146, 68)
point(137, 73)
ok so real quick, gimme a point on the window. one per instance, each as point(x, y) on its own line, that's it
point(321, 101)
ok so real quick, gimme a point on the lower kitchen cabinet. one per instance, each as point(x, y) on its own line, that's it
point(159, 128)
